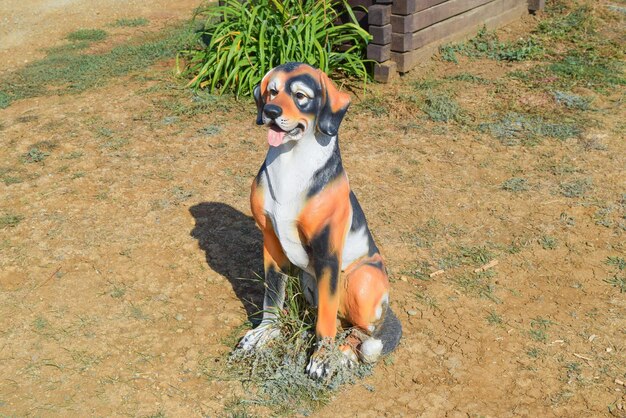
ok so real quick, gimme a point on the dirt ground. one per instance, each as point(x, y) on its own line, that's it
point(121, 248)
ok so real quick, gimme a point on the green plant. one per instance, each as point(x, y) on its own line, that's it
point(470, 78)
point(617, 281)
point(487, 45)
point(442, 108)
point(90, 35)
point(34, 155)
point(10, 220)
point(241, 41)
point(616, 261)
point(515, 184)
point(548, 243)
point(575, 188)
point(494, 319)
point(515, 129)
point(571, 101)
point(131, 23)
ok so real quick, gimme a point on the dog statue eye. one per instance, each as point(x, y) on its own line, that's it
point(301, 97)
point(273, 93)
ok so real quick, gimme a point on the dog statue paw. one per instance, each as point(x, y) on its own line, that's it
point(323, 361)
point(258, 337)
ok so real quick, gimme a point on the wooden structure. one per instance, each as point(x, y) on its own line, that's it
point(406, 32)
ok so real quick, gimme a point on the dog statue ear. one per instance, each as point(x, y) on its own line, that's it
point(333, 107)
point(258, 98)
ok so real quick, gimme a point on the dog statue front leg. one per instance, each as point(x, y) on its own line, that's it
point(327, 266)
point(275, 263)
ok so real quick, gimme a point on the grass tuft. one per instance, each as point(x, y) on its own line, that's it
point(131, 23)
point(515, 184)
point(571, 101)
point(617, 281)
point(575, 188)
point(10, 220)
point(440, 107)
point(548, 243)
point(277, 371)
point(89, 35)
point(516, 129)
point(616, 261)
point(487, 45)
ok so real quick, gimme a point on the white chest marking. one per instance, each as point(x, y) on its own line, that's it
point(289, 170)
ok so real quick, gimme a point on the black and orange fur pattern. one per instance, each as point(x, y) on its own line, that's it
point(302, 202)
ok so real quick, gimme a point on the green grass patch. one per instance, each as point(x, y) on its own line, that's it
point(519, 129)
point(571, 100)
point(570, 26)
point(575, 188)
point(8, 176)
point(487, 45)
point(576, 69)
point(548, 243)
point(616, 261)
point(478, 284)
point(494, 319)
point(582, 55)
point(515, 185)
point(617, 281)
point(539, 329)
point(71, 71)
point(131, 23)
point(88, 35)
point(374, 105)
point(10, 220)
point(34, 155)
point(441, 107)
point(469, 78)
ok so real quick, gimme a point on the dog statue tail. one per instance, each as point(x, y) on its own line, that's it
point(384, 339)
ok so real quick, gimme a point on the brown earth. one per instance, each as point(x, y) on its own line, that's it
point(119, 291)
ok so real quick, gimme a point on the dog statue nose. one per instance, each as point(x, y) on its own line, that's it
point(272, 111)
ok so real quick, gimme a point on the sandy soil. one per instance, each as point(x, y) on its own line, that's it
point(119, 290)
point(28, 27)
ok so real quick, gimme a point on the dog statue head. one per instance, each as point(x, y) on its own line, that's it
point(295, 100)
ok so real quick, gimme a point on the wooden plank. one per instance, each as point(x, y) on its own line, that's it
point(385, 71)
point(378, 53)
point(425, 18)
point(408, 7)
point(404, 42)
point(408, 60)
point(381, 34)
point(533, 5)
point(379, 14)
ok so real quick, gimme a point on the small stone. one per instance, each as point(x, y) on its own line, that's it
point(179, 317)
point(179, 331)
point(411, 312)
point(439, 350)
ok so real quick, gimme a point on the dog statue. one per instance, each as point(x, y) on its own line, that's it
point(309, 217)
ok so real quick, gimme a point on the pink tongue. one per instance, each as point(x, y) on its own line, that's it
point(275, 137)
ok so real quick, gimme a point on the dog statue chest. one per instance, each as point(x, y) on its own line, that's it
point(289, 170)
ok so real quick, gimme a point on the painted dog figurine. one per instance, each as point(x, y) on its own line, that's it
point(301, 201)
